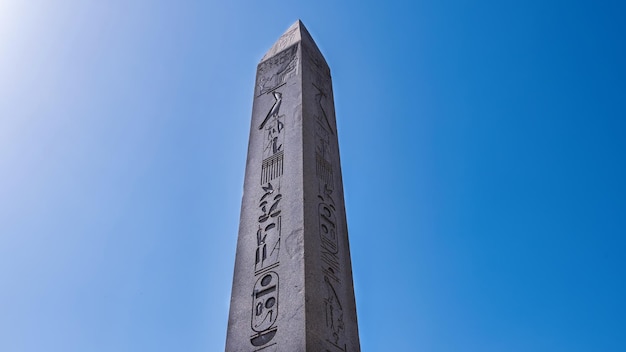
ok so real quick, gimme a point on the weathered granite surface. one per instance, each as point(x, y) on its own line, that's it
point(292, 286)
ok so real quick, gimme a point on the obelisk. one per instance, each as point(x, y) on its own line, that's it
point(292, 286)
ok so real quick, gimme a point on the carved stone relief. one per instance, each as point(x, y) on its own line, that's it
point(319, 64)
point(330, 251)
point(322, 116)
point(277, 70)
point(272, 167)
point(273, 126)
point(334, 314)
point(269, 229)
point(265, 302)
point(265, 299)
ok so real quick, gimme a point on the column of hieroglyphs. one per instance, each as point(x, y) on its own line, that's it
point(292, 285)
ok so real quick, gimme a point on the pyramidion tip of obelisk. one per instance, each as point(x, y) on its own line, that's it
point(294, 34)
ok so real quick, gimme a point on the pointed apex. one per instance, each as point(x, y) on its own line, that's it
point(294, 34)
point(290, 37)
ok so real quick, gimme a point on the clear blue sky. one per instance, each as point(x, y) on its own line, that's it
point(483, 148)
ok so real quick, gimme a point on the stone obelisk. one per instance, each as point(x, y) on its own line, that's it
point(292, 286)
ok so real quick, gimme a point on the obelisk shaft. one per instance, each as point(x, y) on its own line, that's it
point(292, 286)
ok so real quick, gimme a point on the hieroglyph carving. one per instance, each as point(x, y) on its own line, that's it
point(265, 308)
point(319, 65)
point(265, 299)
point(272, 167)
point(321, 95)
point(330, 251)
point(275, 71)
point(334, 314)
point(265, 292)
point(273, 126)
point(268, 234)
